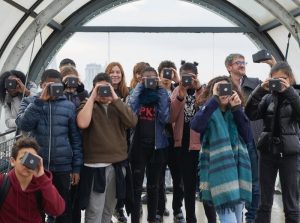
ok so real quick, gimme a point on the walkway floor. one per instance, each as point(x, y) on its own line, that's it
point(277, 213)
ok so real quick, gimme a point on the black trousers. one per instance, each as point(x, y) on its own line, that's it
point(173, 159)
point(145, 157)
point(62, 182)
point(120, 204)
point(75, 208)
point(288, 167)
point(186, 162)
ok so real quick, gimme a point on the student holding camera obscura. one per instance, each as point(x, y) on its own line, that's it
point(73, 87)
point(51, 119)
point(169, 78)
point(278, 104)
point(28, 190)
point(12, 85)
point(224, 164)
point(75, 92)
point(104, 119)
point(149, 139)
point(137, 74)
point(186, 141)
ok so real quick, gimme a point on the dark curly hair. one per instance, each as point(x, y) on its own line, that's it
point(187, 66)
point(3, 78)
point(24, 142)
point(101, 77)
point(165, 64)
point(208, 91)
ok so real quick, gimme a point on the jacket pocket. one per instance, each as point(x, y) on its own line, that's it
point(291, 144)
point(264, 142)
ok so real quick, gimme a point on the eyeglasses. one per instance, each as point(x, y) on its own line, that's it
point(239, 63)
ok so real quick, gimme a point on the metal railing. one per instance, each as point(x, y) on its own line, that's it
point(7, 140)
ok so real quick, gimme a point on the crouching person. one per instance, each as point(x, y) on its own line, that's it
point(27, 191)
point(104, 119)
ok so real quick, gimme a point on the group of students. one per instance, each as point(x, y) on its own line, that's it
point(97, 147)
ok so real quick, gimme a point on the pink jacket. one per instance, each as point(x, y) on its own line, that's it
point(177, 119)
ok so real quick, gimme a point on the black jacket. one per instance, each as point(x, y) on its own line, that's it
point(262, 104)
point(248, 85)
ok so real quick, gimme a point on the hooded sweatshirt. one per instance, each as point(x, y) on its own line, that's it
point(21, 206)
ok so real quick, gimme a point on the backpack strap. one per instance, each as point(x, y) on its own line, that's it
point(39, 200)
point(4, 189)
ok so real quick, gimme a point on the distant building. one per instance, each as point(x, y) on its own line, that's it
point(90, 72)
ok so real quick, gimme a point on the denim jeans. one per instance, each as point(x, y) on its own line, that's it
point(253, 207)
point(232, 215)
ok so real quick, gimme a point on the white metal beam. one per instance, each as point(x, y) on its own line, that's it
point(283, 16)
point(43, 18)
point(297, 2)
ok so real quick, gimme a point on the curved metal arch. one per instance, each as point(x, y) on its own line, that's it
point(57, 39)
point(240, 18)
point(30, 33)
point(94, 8)
point(283, 16)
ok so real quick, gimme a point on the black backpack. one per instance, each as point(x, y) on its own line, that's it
point(4, 191)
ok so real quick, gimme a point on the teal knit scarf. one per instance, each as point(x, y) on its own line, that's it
point(225, 169)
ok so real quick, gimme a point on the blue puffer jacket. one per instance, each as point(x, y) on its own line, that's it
point(162, 113)
point(53, 124)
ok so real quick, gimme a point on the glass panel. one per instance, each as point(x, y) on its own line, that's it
point(25, 60)
point(146, 13)
point(13, 17)
point(280, 36)
point(72, 7)
point(14, 40)
point(254, 10)
point(209, 50)
point(26, 4)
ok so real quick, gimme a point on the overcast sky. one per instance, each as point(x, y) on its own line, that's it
point(208, 49)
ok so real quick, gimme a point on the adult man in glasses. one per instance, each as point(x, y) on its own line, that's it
point(236, 67)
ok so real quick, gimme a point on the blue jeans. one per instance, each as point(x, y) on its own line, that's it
point(253, 207)
point(234, 215)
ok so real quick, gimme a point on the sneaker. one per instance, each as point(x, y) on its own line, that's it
point(166, 212)
point(50, 219)
point(179, 218)
point(277, 191)
point(119, 214)
point(144, 199)
point(159, 219)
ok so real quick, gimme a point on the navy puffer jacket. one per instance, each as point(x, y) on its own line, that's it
point(53, 124)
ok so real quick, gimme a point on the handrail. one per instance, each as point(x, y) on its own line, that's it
point(7, 132)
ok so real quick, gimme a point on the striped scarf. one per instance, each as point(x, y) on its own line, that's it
point(225, 169)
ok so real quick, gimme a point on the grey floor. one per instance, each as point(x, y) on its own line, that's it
point(277, 214)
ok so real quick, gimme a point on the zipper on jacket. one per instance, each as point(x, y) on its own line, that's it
point(50, 134)
point(155, 128)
